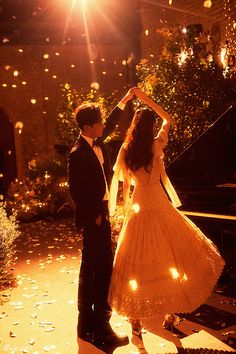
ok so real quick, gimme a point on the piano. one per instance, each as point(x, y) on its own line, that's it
point(204, 176)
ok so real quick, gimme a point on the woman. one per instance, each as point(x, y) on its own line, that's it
point(163, 263)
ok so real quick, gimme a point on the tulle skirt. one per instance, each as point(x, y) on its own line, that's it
point(163, 262)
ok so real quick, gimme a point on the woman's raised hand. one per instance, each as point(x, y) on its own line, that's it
point(140, 94)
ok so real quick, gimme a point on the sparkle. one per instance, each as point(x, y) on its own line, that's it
point(136, 207)
point(133, 284)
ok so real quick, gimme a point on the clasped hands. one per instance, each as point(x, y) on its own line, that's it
point(134, 91)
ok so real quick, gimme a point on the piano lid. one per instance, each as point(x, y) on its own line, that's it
point(211, 159)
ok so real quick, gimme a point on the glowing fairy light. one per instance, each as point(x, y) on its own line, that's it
point(223, 54)
point(4, 85)
point(46, 175)
point(182, 57)
point(207, 3)
point(24, 82)
point(54, 76)
point(95, 85)
point(19, 126)
point(174, 273)
point(46, 70)
point(6, 40)
point(146, 32)
point(46, 56)
point(33, 100)
point(15, 73)
point(20, 50)
point(46, 98)
point(184, 30)
point(133, 284)
point(136, 207)
point(230, 25)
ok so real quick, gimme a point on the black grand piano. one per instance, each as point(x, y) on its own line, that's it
point(204, 176)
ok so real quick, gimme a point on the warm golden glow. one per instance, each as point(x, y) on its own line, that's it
point(175, 275)
point(133, 284)
point(136, 207)
point(182, 57)
point(95, 85)
point(19, 126)
point(207, 3)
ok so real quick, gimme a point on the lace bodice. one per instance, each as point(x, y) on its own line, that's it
point(155, 173)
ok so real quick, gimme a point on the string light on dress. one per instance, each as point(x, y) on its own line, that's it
point(133, 284)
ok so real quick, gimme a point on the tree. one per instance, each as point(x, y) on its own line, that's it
point(187, 82)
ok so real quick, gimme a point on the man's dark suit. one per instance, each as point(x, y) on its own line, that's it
point(87, 188)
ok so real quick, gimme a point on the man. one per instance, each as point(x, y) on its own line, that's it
point(89, 176)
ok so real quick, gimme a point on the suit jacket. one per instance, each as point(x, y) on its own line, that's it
point(86, 179)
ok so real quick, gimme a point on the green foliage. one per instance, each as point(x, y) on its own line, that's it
point(66, 129)
point(8, 233)
point(195, 92)
point(44, 190)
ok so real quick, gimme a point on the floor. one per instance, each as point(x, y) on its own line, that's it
point(39, 315)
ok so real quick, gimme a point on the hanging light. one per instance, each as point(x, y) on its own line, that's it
point(207, 3)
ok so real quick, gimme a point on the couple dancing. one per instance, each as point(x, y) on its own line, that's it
point(163, 263)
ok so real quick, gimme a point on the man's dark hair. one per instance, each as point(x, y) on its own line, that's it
point(87, 114)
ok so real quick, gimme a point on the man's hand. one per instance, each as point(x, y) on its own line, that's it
point(98, 221)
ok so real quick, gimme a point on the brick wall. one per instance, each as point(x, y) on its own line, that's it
point(35, 73)
point(156, 15)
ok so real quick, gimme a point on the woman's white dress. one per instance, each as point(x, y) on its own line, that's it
point(163, 262)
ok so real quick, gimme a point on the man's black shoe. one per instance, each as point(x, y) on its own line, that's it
point(110, 339)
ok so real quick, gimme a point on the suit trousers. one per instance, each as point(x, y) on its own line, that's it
point(95, 274)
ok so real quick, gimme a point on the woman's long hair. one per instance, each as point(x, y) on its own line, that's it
point(139, 140)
